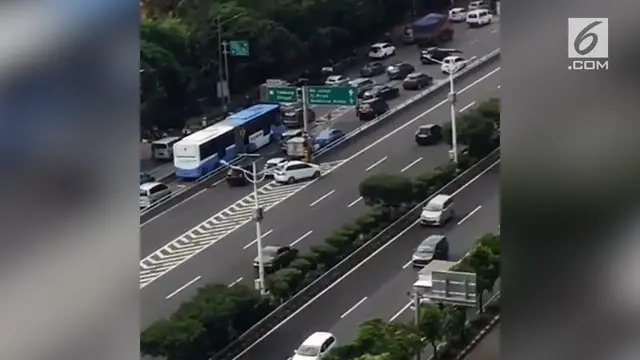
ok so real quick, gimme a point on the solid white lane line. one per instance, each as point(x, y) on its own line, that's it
point(406, 265)
point(469, 214)
point(353, 307)
point(473, 41)
point(376, 163)
point(355, 201)
point(182, 288)
point(301, 237)
point(404, 308)
point(494, 31)
point(410, 165)
point(354, 269)
point(235, 282)
point(468, 106)
point(264, 235)
point(322, 198)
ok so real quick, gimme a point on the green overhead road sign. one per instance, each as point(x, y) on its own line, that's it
point(239, 48)
point(282, 94)
point(332, 95)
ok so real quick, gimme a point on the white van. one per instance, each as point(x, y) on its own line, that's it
point(163, 149)
point(438, 211)
point(152, 192)
point(479, 17)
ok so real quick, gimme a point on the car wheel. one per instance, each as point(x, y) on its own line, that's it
point(291, 180)
point(316, 174)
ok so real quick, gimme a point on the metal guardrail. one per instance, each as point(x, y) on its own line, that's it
point(383, 237)
point(441, 85)
point(201, 183)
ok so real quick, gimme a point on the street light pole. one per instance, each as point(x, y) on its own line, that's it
point(416, 316)
point(223, 69)
point(252, 177)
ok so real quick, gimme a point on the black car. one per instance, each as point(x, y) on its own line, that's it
point(384, 92)
point(399, 71)
point(417, 81)
point(236, 177)
point(428, 135)
point(275, 258)
point(436, 53)
point(372, 69)
point(292, 115)
point(371, 109)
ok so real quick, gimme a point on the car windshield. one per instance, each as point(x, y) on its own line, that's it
point(305, 350)
point(424, 131)
point(433, 207)
point(375, 48)
point(424, 249)
point(143, 193)
point(269, 252)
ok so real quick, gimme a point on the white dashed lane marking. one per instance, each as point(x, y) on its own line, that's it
point(218, 226)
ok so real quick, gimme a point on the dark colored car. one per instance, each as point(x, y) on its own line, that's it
point(399, 71)
point(436, 53)
point(372, 69)
point(417, 81)
point(275, 258)
point(146, 178)
point(292, 115)
point(430, 134)
point(384, 92)
point(236, 177)
point(310, 78)
point(371, 109)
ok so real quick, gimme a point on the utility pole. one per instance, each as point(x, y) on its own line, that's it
point(305, 125)
point(416, 313)
point(223, 68)
point(225, 51)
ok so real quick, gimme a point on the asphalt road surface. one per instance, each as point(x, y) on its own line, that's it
point(378, 287)
point(474, 42)
point(488, 348)
point(305, 213)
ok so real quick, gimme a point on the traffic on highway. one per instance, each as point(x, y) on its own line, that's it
point(378, 286)
point(225, 252)
point(474, 43)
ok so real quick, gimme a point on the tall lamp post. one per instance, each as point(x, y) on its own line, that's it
point(223, 71)
point(252, 177)
point(452, 106)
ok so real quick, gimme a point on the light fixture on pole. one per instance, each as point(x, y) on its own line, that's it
point(254, 177)
point(223, 67)
point(452, 106)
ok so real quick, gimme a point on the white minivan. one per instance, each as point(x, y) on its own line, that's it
point(438, 211)
point(152, 192)
point(479, 17)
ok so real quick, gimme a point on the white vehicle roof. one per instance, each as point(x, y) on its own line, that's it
point(476, 11)
point(166, 140)
point(299, 162)
point(380, 44)
point(457, 9)
point(292, 132)
point(149, 185)
point(335, 77)
point(440, 199)
point(205, 134)
point(276, 160)
point(451, 58)
point(317, 339)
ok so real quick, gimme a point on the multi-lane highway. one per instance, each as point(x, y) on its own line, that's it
point(305, 213)
point(211, 224)
point(378, 287)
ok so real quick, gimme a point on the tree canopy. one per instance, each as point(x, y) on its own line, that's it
point(179, 44)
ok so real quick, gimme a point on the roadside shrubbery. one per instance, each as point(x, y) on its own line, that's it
point(217, 314)
point(379, 339)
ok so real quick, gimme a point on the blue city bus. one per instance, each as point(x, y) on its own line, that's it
point(246, 131)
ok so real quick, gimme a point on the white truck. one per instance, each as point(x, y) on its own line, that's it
point(422, 286)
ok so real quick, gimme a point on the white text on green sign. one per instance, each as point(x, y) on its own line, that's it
point(331, 95)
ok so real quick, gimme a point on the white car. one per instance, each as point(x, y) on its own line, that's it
point(476, 4)
point(152, 192)
point(438, 211)
point(316, 347)
point(272, 165)
point(458, 14)
point(294, 171)
point(337, 80)
point(381, 51)
point(480, 17)
point(453, 64)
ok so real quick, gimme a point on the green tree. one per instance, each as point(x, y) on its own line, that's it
point(455, 318)
point(387, 190)
point(385, 356)
point(175, 340)
point(378, 336)
point(431, 325)
point(484, 263)
point(284, 283)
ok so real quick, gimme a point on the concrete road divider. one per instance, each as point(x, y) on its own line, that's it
point(303, 296)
